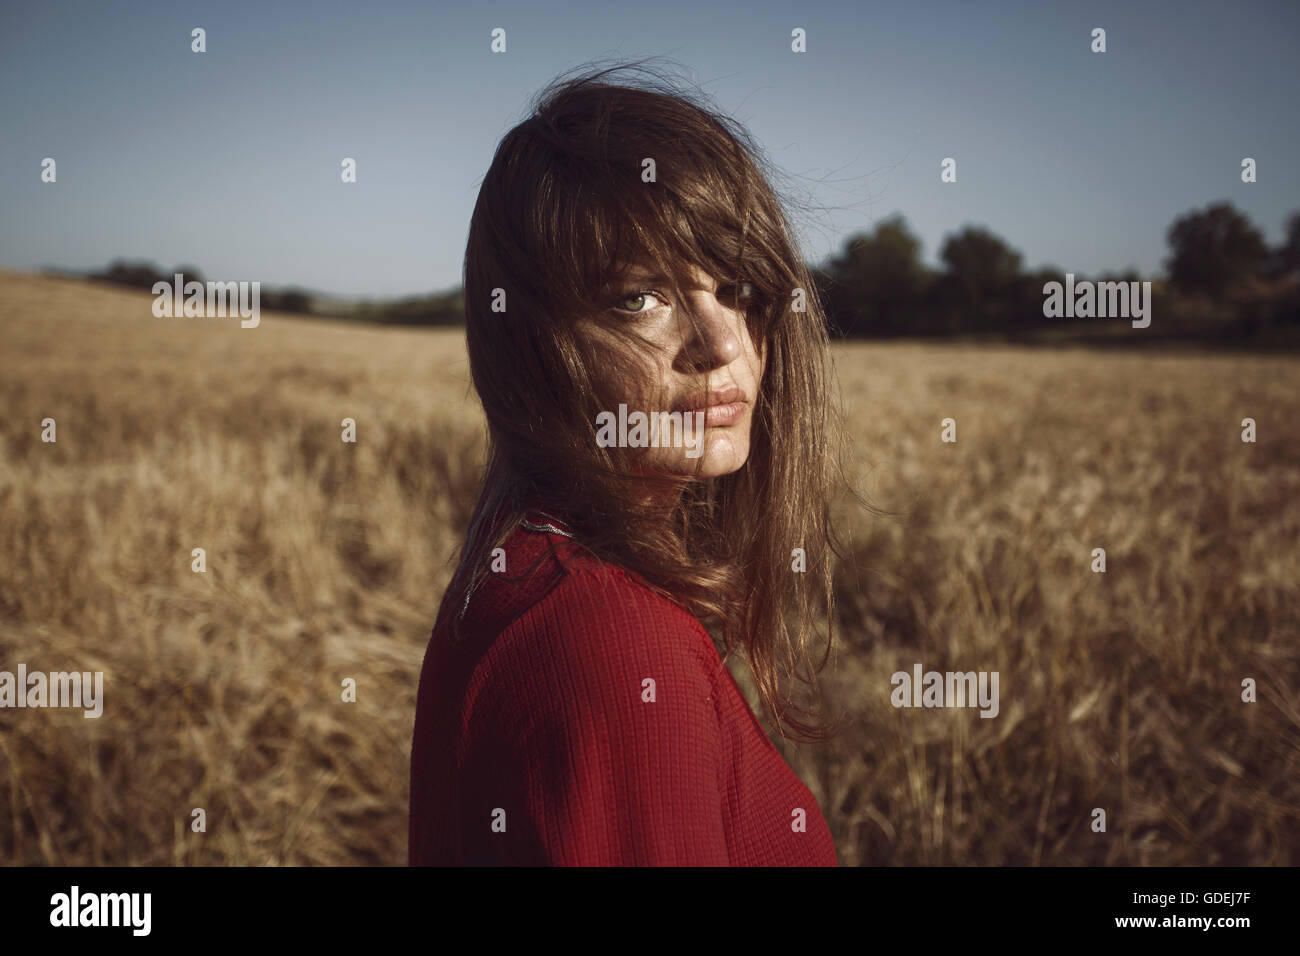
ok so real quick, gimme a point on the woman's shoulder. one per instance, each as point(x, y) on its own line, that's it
point(576, 620)
point(589, 593)
point(542, 562)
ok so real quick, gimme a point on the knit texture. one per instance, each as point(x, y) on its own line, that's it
point(537, 742)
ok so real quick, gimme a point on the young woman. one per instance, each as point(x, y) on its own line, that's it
point(651, 358)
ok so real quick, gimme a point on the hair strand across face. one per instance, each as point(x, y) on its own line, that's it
point(565, 211)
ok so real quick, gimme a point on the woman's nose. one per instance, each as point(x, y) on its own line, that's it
point(712, 332)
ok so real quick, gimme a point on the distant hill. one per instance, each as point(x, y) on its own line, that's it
point(437, 308)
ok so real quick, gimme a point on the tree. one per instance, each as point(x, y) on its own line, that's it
point(292, 300)
point(874, 284)
point(1214, 251)
point(1288, 254)
point(980, 287)
point(136, 274)
point(983, 265)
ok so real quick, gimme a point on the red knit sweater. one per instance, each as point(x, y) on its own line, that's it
point(587, 720)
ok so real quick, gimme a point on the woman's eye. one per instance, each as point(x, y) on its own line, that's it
point(637, 302)
point(647, 300)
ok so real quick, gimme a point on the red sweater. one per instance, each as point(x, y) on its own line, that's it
point(540, 740)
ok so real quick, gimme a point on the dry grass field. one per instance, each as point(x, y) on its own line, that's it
point(327, 560)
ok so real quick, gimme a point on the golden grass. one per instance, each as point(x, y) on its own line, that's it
point(327, 561)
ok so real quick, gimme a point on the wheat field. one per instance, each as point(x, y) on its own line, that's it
point(326, 561)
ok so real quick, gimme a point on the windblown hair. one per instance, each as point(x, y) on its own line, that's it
point(564, 209)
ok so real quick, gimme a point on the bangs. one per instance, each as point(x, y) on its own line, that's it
point(598, 214)
point(630, 236)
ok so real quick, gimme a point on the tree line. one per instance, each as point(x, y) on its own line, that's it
point(1223, 282)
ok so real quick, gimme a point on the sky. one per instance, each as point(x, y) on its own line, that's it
point(230, 160)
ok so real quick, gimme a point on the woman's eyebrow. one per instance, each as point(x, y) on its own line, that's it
point(639, 275)
point(647, 276)
point(636, 279)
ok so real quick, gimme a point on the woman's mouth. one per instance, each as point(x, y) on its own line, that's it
point(716, 416)
point(721, 407)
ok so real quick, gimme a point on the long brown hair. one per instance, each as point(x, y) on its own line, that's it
point(564, 208)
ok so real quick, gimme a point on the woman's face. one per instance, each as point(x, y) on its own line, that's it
point(707, 372)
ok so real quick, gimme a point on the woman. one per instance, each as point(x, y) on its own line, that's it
point(651, 359)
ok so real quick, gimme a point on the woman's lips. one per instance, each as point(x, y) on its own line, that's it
point(721, 407)
point(717, 416)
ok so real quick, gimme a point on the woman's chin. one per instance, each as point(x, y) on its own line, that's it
point(721, 453)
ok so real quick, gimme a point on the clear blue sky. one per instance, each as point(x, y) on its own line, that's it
point(229, 160)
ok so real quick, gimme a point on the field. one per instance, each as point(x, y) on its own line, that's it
point(326, 561)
